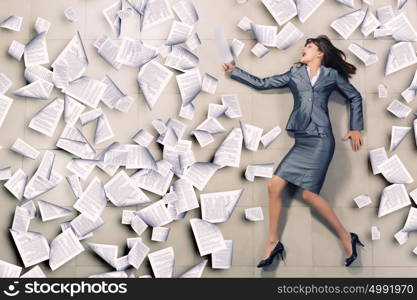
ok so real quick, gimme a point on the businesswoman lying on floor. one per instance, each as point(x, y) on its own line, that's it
point(321, 69)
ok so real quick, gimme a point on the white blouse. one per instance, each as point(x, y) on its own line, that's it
point(314, 79)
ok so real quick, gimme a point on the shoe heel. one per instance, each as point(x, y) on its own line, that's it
point(360, 243)
point(281, 254)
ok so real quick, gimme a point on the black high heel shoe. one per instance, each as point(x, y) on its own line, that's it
point(278, 249)
point(354, 240)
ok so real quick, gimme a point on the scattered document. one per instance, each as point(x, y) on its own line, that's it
point(398, 133)
point(399, 109)
point(377, 156)
point(259, 170)
point(64, 247)
point(400, 56)
point(222, 259)
point(366, 56)
point(393, 197)
point(362, 200)
point(394, 170)
point(208, 236)
point(222, 46)
point(306, 8)
point(218, 207)
point(288, 36)
point(375, 233)
point(12, 23)
point(345, 25)
point(162, 262)
point(382, 91)
point(254, 214)
point(71, 14)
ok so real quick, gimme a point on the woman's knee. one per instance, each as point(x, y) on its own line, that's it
point(275, 184)
point(308, 195)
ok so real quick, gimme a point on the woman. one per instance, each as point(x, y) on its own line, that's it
point(321, 69)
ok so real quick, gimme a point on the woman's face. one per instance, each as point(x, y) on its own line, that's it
point(310, 52)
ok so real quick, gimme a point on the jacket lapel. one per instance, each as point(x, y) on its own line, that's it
point(323, 73)
point(322, 76)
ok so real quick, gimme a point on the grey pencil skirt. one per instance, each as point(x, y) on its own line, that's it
point(306, 164)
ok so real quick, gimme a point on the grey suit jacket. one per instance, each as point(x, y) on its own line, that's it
point(310, 102)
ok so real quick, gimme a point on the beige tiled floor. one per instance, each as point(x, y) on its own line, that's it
point(312, 248)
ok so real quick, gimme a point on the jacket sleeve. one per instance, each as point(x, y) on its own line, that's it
point(275, 81)
point(355, 101)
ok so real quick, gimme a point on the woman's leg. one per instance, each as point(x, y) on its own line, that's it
point(324, 208)
point(275, 187)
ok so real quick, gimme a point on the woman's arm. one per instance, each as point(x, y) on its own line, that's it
point(275, 81)
point(355, 101)
point(356, 116)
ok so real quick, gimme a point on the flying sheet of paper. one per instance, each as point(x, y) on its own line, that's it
point(254, 214)
point(410, 93)
point(16, 50)
point(24, 149)
point(237, 47)
point(42, 25)
point(400, 56)
point(377, 156)
point(401, 237)
point(264, 34)
point(393, 197)
point(269, 137)
point(71, 14)
point(362, 200)
point(306, 8)
point(398, 133)
point(195, 271)
point(345, 25)
point(370, 23)
point(366, 56)
point(348, 3)
point(186, 12)
point(411, 221)
point(36, 51)
point(259, 50)
point(5, 104)
point(402, 29)
point(152, 79)
point(281, 11)
point(208, 236)
point(33, 247)
point(288, 36)
point(229, 152)
point(50, 211)
point(394, 170)
point(12, 23)
point(385, 14)
point(156, 12)
point(64, 247)
point(375, 233)
point(222, 259)
point(218, 207)
point(46, 120)
point(382, 91)
point(160, 234)
point(162, 262)
point(200, 173)
point(399, 109)
point(222, 46)
point(259, 170)
point(251, 135)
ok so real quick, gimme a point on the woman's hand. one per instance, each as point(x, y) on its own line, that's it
point(356, 137)
point(228, 67)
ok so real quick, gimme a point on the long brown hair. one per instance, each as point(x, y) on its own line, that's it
point(333, 57)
